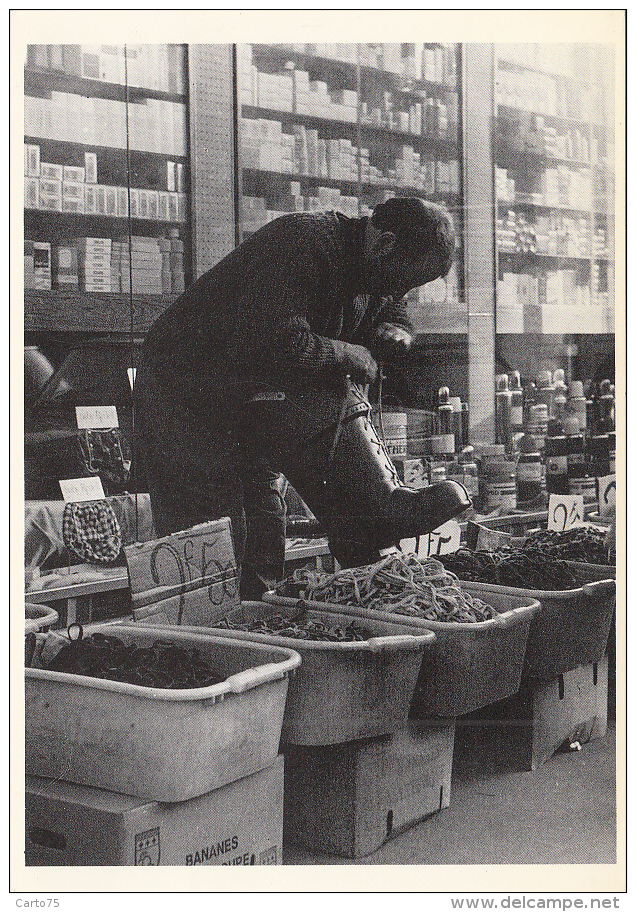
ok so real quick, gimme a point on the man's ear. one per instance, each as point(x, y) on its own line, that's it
point(384, 245)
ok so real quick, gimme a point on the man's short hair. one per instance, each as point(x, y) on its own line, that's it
point(418, 225)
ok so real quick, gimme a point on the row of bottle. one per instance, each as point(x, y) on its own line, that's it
point(569, 464)
point(529, 409)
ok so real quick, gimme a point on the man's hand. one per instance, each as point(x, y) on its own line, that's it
point(390, 341)
point(357, 361)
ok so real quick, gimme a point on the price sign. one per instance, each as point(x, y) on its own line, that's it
point(565, 511)
point(607, 495)
point(96, 416)
point(443, 540)
point(76, 490)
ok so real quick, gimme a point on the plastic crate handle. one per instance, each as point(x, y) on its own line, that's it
point(403, 641)
point(509, 618)
point(600, 588)
point(252, 677)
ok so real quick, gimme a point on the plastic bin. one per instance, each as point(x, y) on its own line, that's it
point(571, 629)
point(39, 617)
point(468, 665)
point(165, 745)
point(344, 691)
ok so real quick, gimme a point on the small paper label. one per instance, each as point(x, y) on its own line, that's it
point(443, 540)
point(96, 416)
point(132, 374)
point(76, 490)
point(565, 511)
point(607, 495)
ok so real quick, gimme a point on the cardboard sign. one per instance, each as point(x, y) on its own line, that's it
point(96, 416)
point(565, 511)
point(77, 490)
point(607, 495)
point(188, 578)
point(443, 540)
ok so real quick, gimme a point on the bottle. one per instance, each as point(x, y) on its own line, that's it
point(529, 399)
point(538, 423)
point(559, 402)
point(577, 404)
point(456, 402)
point(465, 425)
point(530, 474)
point(575, 448)
point(591, 411)
point(545, 390)
point(488, 453)
point(499, 480)
point(503, 399)
point(611, 443)
point(516, 403)
point(598, 448)
point(605, 408)
point(464, 470)
point(446, 431)
point(556, 459)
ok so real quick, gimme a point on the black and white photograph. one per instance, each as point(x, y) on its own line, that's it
point(318, 452)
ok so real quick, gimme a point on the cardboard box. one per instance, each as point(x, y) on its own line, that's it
point(348, 799)
point(538, 720)
point(240, 823)
point(158, 570)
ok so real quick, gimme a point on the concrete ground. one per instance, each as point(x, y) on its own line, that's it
point(562, 813)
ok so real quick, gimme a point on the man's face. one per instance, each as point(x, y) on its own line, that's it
point(397, 272)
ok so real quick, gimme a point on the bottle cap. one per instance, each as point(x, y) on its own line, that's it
point(515, 380)
point(501, 382)
point(443, 395)
point(559, 376)
point(576, 389)
point(456, 403)
point(544, 378)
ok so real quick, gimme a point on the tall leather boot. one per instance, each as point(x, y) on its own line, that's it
point(359, 498)
point(323, 441)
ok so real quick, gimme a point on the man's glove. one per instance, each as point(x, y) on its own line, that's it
point(356, 361)
point(390, 341)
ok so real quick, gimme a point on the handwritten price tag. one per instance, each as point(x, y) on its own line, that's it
point(76, 490)
point(96, 416)
point(607, 495)
point(565, 511)
point(444, 540)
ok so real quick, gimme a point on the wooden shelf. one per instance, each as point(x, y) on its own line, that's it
point(311, 179)
point(399, 83)
point(84, 311)
point(511, 112)
point(41, 82)
point(92, 147)
point(544, 257)
point(440, 145)
point(514, 158)
point(546, 207)
point(119, 221)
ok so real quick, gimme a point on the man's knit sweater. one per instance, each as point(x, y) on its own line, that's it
point(268, 311)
